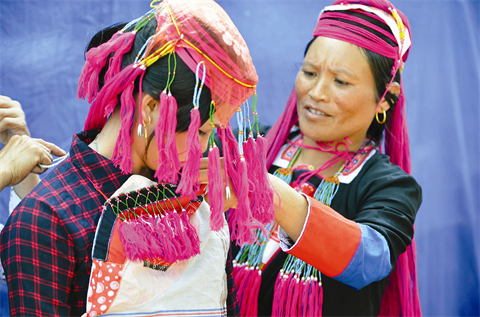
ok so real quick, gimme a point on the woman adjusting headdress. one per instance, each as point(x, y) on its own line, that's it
point(342, 243)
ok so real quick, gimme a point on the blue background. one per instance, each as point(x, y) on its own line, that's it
point(41, 56)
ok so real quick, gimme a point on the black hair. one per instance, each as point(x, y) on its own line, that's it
point(381, 68)
point(155, 78)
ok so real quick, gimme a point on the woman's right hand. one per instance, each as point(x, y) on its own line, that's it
point(22, 155)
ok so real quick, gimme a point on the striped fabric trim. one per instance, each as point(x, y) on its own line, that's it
point(178, 312)
point(371, 261)
point(337, 237)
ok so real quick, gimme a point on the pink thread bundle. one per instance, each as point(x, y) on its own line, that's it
point(189, 184)
point(96, 59)
point(122, 146)
point(168, 163)
point(115, 62)
point(215, 189)
point(295, 296)
point(170, 237)
point(240, 220)
point(261, 192)
point(248, 287)
point(171, 145)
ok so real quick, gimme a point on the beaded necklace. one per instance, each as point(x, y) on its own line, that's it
point(298, 287)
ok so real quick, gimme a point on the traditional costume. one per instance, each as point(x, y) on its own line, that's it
point(140, 247)
point(355, 255)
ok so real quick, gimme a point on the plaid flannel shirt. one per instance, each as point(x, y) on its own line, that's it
point(46, 244)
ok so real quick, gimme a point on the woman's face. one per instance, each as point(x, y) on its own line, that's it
point(335, 92)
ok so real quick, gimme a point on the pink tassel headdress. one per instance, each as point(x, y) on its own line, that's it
point(401, 297)
point(199, 35)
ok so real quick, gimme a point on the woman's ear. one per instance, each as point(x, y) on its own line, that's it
point(149, 105)
point(384, 105)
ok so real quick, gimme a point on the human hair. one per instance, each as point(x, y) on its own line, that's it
point(381, 68)
point(156, 75)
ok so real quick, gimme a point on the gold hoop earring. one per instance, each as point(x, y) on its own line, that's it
point(145, 127)
point(384, 117)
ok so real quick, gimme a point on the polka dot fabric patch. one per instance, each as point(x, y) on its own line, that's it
point(104, 285)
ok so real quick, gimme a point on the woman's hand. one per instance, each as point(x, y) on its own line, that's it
point(22, 155)
point(12, 120)
point(231, 201)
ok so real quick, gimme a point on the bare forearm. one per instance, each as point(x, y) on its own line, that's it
point(26, 186)
point(4, 177)
point(292, 209)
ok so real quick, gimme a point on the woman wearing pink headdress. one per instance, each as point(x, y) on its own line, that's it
point(342, 243)
point(121, 226)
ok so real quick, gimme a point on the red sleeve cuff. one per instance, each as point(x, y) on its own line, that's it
point(328, 240)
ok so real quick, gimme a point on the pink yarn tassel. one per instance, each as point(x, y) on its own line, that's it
point(244, 288)
point(171, 146)
point(236, 268)
point(189, 184)
point(320, 300)
point(295, 297)
point(115, 63)
point(311, 298)
point(96, 59)
point(122, 153)
point(240, 220)
point(290, 294)
point(316, 297)
point(107, 98)
point(254, 294)
point(249, 153)
point(278, 291)
point(264, 186)
point(160, 135)
point(304, 298)
point(239, 280)
point(284, 293)
point(170, 238)
point(397, 143)
point(215, 189)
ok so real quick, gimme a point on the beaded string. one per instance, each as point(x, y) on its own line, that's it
point(241, 130)
point(252, 254)
point(248, 123)
point(170, 81)
point(212, 123)
point(245, 115)
point(255, 113)
point(285, 173)
point(121, 203)
point(198, 85)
